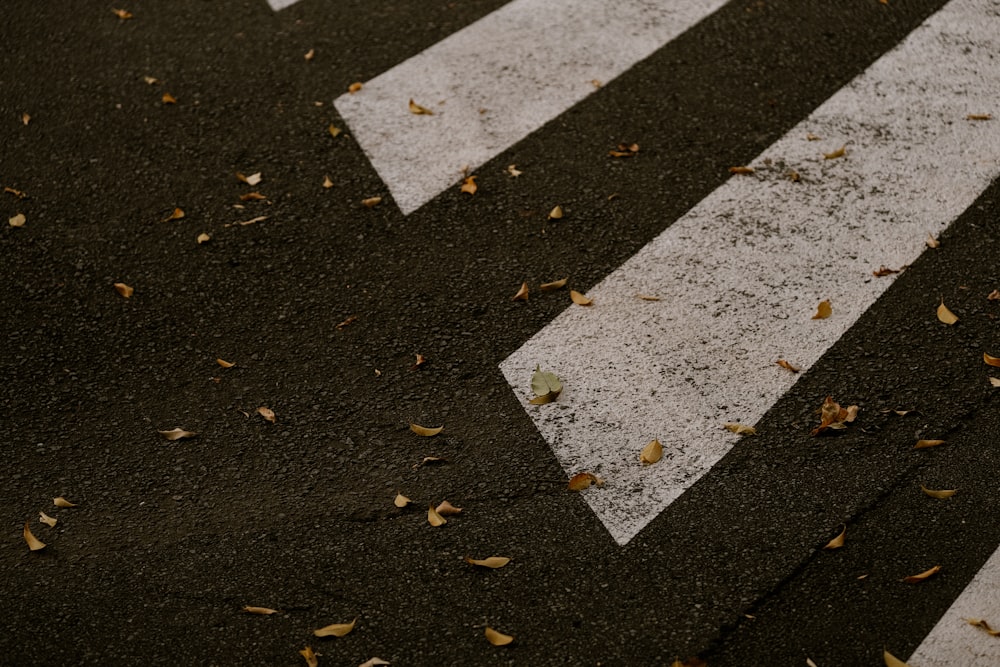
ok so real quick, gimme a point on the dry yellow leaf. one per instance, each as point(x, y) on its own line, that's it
point(327, 183)
point(647, 297)
point(203, 238)
point(979, 116)
point(425, 431)
point(150, 80)
point(514, 171)
point(838, 541)
point(493, 562)
point(580, 299)
point(932, 242)
point(355, 87)
point(261, 611)
point(252, 196)
point(251, 180)
point(556, 213)
point(334, 130)
point(434, 518)
point(741, 170)
point(823, 310)
point(992, 296)
point(994, 381)
point(224, 363)
point(47, 520)
point(924, 444)
point(625, 150)
point(554, 285)
point(17, 220)
point(62, 502)
point(122, 14)
point(926, 574)
point(168, 99)
point(34, 544)
point(125, 290)
point(945, 315)
point(469, 185)
point(784, 364)
point(20, 195)
point(991, 360)
point(374, 662)
point(176, 215)
point(418, 110)
point(740, 429)
point(832, 416)
point(948, 493)
point(981, 623)
point(267, 413)
point(584, 480)
point(522, 294)
point(311, 657)
point(891, 660)
point(651, 453)
point(25, 118)
point(371, 202)
point(447, 509)
point(401, 501)
point(310, 54)
point(835, 154)
point(335, 629)
point(177, 434)
point(497, 638)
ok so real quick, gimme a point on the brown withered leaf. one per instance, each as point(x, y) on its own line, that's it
point(833, 155)
point(401, 501)
point(740, 429)
point(267, 413)
point(945, 315)
point(334, 130)
point(823, 310)
point(310, 656)
point(374, 662)
point(177, 434)
point(651, 453)
point(327, 183)
point(944, 493)
point(47, 520)
point(994, 295)
point(924, 444)
point(624, 150)
point(990, 360)
point(203, 238)
point(244, 223)
point(497, 638)
point(17, 220)
point(556, 213)
point(125, 290)
point(522, 294)
point(787, 366)
point(123, 14)
point(62, 502)
point(20, 194)
point(355, 87)
point(891, 660)
point(371, 202)
point(513, 170)
point(493, 562)
point(693, 661)
point(811, 137)
point(979, 116)
point(983, 625)
point(469, 185)
point(351, 319)
point(252, 196)
point(425, 431)
point(260, 611)
point(793, 176)
point(335, 629)
point(994, 381)
point(932, 242)
point(421, 360)
point(923, 576)
point(554, 285)
point(445, 508)
point(429, 460)
point(832, 416)
point(168, 99)
point(884, 271)
point(418, 110)
point(434, 518)
point(838, 541)
point(251, 180)
point(25, 118)
point(741, 170)
point(584, 480)
point(580, 299)
point(224, 363)
point(34, 544)
point(177, 214)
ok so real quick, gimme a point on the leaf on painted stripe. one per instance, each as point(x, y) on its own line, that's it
point(651, 453)
point(891, 660)
point(584, 480)
point(945, 315)
point(493, 562)
point(580, 299)
point(884, 271)
point(545, 385)
point(335, 629)
point(945, 493)
point(923, 576)
point(823, 310)
point(554, 285)
point(832, 416)
point(991, 360)
point(740, 429)
point(838, 541)
point(418, 110)
point(741, 170)
point(924, 444)
point(497, 638)
point(522, 294)
point(932, 242)
point(434, 518)
point(469, 185)
point(426, 431)
point(447, 509)
point(983, 625)
point(355, 87)
point(979, 116)
point(784, 364)
point(833, 155)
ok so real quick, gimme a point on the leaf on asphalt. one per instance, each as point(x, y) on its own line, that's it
point(522, 294)
point(991, 360)
point(810, 663)
point(25, 118)
point(932, 242)
point(979, 116)
point(425, 431)
point(651, 453)
point(891, 660)
point(926, 574)
point(884, 271)
point(832, 416)
point(267, 413)
point(125, 290)
point(434, 518)
point(740, 429)
point(371, 202)
point(835, 154)
point(945, 315)
point(224, 363)
point(741, 170)
point(355, 87)
point(924, 444)
point(497, 638)
point(556, 213)
point(554, 285)
point(584, 480)
point(625, 150)
point(946, 493)
point(493, 562)
point(995, 382)
point(349, 320)
point(838, 541)
point(421, 360)
point(150, 80)
point(311, 657)
point(693, 661)
point(252, 196)
point(62, 502)
point(823, 310)
point(447, 509)
point(580, 299)
point(168, 99)
point(17, 220)
point(20, 194)
point(374, 662)
point(203, 238)
point(335, 629)
point(244, 223)
point(334, 130)
point(251, 180)
point(309, 55)
point(401, 501)
point(123, 14)
point(513, 170)
point(545, 385)
point(787, 366)
point(418, 110)
point(260, 611)
point(47, 520)
point(34, 544)
point(983, 625)
point(992, 296)
point(429, 460)
point(176, 215)
point(177, 434)
point(327, 183)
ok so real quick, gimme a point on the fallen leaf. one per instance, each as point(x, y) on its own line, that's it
point(556, 213)
point(991, 360)
point(784, 364)
point(176, 215)
point(334, 130)
point(580, 299)
point(884, 271)
point(335, 629)
point(251, 180)
point(554, 285)
point(994, 295)
point(811, 137)
point(425, 431)
point(924, 444)
point(150, 80)
point(252, 196)
point(810, 663)
point(647, 297)
point(994, 381)
point(244, 223)
point(177, 434)
point(979, 116)
point(891, 660)
point(310, 656)
point(625, 150)
point(20, 195)
point(224, 363)
point(123, 14)
point(17, 220)
point(513, 171)
point(401, 501)
point(835, 154)
point(596, 83)
point(427, 460)
point(584, 480)
point(327, 183)
point(522, 294)
point(434, 518)
point(469, 185)
point(261, 611)
point(651, 453)
point(447, 509)
point(838, 541)
point(203, 238)
point(982, 624)
point(418, 110)
point(349, 320)
point(945, 315)
point(373, 662)
point(47, 520)
point(310, 54)
point(421, 360)
point(168, 99)
point(740, 429)
point(823, 310)
point(34, 544)
point(834, 417)
point(694, 661)
point(371, 202)
point(62, 502)
point(741, 170)
point(915, 578)
point(125, 290)
point(497, 638)
point(355, 87)
point(793, 176)
point(903, 413)
point(545, 385)
point(948, 493)
point(267, 413)
point(25, 118)
point(932, 242)
point(493, 562)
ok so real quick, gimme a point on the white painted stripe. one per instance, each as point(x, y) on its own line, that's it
point(953, 641)
point(281, 4)
point(740, 275)
point(496, 81)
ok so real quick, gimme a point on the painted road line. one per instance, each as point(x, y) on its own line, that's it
point(953, 641)
point(281, 4)
point(498, 80)
point(740, 275)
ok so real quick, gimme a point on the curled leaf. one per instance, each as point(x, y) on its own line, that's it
point(251, 180)
point(651, 453)
point(932, 242)
point(425, 431)
point(177, 214)
point(522, 294)
point(992, 296)
point(493, 562)
point(418, 110)
point(497, 638)
point(838, 541)
point(469, 185)
point(647, 297)
point(556, 213)
point(995, 382)
point(355, 87)
point(17, 220)
point(740, 429)
point(252, 196)
point(428, 460)
point(62, 502)
point(47, 520)
point(580, 299)
point(991, 360)
point(945, 315)
point(168, 99)
point(784, 364)
point(554, 285)
point(125, 290)
point(823, 310)
point(123, 14)
point(835, 154)
point(982, 624)
point(926, 574)
point(260, 611)
point(374, 662)
point(447, 509)
point(421, 360)
point(947, 493)
point(741, 170)
point(177, 434)
point(514, 171)
point(812, 137)
point(310, 54)
point(832, 416)
point(224, 363)
point(584, 480)
point(350, 319)
point(267, 413)
point(371, 202)
point(34, 544)
point(310, 656)
point(203, 238)
point(434, 518)
point(891, 660)
point(327, 183)
point(884, 271)
point(545, 385)
point(335, 629)
point(924, 444)
point(979, 116)
point(625, 150)
point(401, 501)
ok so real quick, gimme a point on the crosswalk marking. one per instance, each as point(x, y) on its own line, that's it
point(740, 275)
point(498, 80)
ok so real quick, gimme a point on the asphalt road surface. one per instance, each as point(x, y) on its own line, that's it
point(323, 305)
